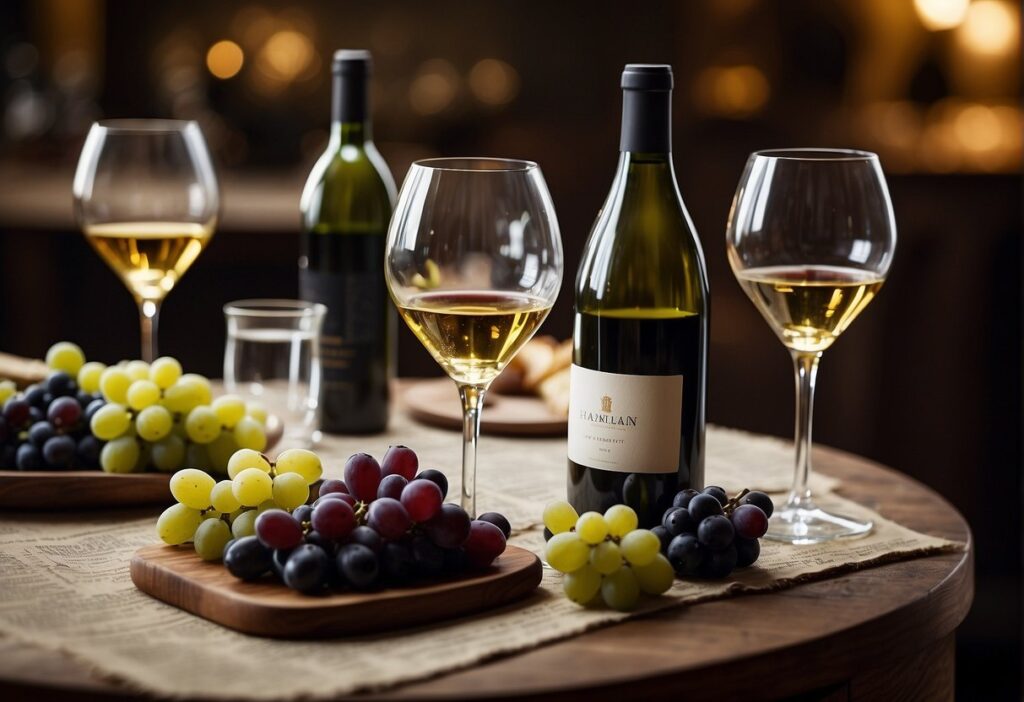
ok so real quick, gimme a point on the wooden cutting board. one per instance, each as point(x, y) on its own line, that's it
point(177, 576)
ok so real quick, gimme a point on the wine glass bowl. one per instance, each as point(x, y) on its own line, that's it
point(810, 238)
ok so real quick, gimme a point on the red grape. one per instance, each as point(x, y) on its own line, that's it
point(450, 527)
point(362, 476)
point(17, 412)
point(391, 486)
point(275, 528)
point(388, 518)
point(333, 485)
point(485, 543)
point(400, 460)
point(422, 500)
point(333, 518)
point(750, 521)
point(344, 497)
point(436, 477)
point(64, 412)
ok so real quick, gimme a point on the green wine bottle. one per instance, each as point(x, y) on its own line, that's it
point(639, 373)
point(346, 207)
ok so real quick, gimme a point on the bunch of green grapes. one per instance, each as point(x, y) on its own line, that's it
point(209, 513)
point(606, 555)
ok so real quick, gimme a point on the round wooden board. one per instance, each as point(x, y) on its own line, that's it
point(267, 608)
point(436, 402)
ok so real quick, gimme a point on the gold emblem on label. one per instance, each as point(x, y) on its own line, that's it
point(606, 404)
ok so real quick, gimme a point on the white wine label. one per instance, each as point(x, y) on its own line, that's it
point(625, 423)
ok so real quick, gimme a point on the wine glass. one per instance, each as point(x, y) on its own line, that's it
point(474, 264)
point(810, 238)
point(146, 198)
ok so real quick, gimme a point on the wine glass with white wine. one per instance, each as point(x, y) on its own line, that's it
point(146, 198)
point(811, 236)
point(474, 264)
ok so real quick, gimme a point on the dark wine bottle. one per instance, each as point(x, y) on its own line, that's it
point(346, 207)
point(639, 373)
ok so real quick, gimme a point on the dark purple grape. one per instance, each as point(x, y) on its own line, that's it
point(88, 451)
point(716, 532)
point(454, 560)
point(278, 560)
point(328, 545)
point(17, 412)
point(35, 396)
point(400, 460)
point(358, 566)
point(428, 557)
point(436, 477)
point(759, 499)
point(450, 527)
point(396, 561)
point(29, 458)
point(484, 544)
point(704, 506)
point(663, 535)
point(366, 536)
point(679, 521)
point(342, 496)
point(64, 413)
point(246, 558)
point(333, 518)
point(747, 551)
point(60, 384)
point(685, 554)
point(717, 493)
point(59, 451)
point(547, 534)
point(719, 564)
point(391, 486)
point(362, 476)
point(332, 485)
point(277, 529)
point(683, 497)
point(498, 520)
point(422, 500)
point(750, 522)
point(41, 432)
point(388, 518)
point(302, 513)
point(35, 415)
point(308, 568)
point(83, 399)
point(92, 408)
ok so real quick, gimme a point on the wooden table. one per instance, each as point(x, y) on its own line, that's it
point(880, 634)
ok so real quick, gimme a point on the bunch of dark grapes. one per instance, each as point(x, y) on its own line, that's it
point(382, 524)
point(706, 534)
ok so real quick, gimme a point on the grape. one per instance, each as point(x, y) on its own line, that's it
point(252, 486)
point(305, 463)
point(247, 458)
point(36, 396)
point(275, 528)
point(392, 486)
point(168, 455)
point(343, 496)
point(621, 520)
point(719, 564)
point(114, 384)
point(704, 506)
point(137, 370)
point(396, 560)
point(620, 590)
point(120, 455)
point(92, 408)
point(362, 475)
point(59, 451)
point(154, 423)
point(145, 451)
point(17, 412)
point(222, 498)
point(422, 500)
point(211, 514)
point(560, 516)
point(334, 519)
point(29, 457)
point(436, 477)
point(640, 547)
point(249, 433)
point(244, 524)
point(497, 520)
point(716, 532)
point(685, 554)
point(142, 393)
point(678, 521)
point(388, 517)
point(303, 513)
point(358, 565)
point(484, 544)
point(718, 493)
point(177, 524)
point(88, 376)
point(592, 527)
point(7, 390)
point(566, 552)
point(582, 585)
point(332, 485)
point(307, 569)
point(165, 372)
point(220, 451)
point(184, 396)
point(428, 558)
point(454, 560)
point(36, 415)
point(749, 521)
point(606, 557)
point(656, 577)
point(290, 490)
point(202, 425)
point(257, 411)
point(192, 487)
point(246, 558)
point(450, 527)
point(60, 384)
point(110, 421)
point(747, 551)
point(279, 559)
point(64, 413)
point(400, 460)
point(210, 539)
point(759, 499)
point(88, 451)
point(197, 456)
point(41, 432)
point(663, 534)
point(683, 497)
point(202, 383)
point(367, 537)
point(65, 356)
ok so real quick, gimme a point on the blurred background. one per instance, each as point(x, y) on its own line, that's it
point(928, 381)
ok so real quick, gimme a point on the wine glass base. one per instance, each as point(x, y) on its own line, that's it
point(811, 525)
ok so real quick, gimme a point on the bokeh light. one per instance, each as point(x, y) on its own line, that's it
point(937, 15)
point(286, 55)
point(494, 82)
point(224, 59)
point(991, 27)
point(732, 91)
point(434, 87)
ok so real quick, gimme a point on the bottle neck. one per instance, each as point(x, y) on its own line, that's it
point(350, 110)
point(647, 124)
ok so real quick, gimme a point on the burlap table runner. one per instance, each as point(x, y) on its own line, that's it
point(64, 584)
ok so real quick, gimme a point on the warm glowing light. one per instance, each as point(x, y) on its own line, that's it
point(977, 127)
point(225, 59)
point(732, 91)
point(937, 15)
point(286, 55)
point(494, 82)
point(434, 87)
point(991, 27)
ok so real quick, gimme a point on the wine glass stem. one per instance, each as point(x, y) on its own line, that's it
point(806, 367)
point(472, 402)
point(149, 313)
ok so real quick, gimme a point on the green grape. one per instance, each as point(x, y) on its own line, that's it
point(183, 396)
point(252, 486)
point(257, 411)
point(265, 505)
point(592, 527)
point(620, 590)
point(234, 515)
point(621, 520)
point(154, 423)
point(566, 552)
point(229, 408)
point(192, 487)
point(202, 386)
point(145, 455)
point(290, 490)
point(247, 458)
point(196, 456)
point(220, 451)
point(7, 390)
point(89, 376)
point(142, 394)
point(640, 546)
point(178, 524)
point(249, 434)
point(169, 454)
point(120, 455)
point(65, 356)
point(137, 370)
point(606, 557)
point(305, 463)
point(165, 371)
point(210, 538)
point(223, 498)
point(110, 421)
point(202, 425)
point(559, 516)
point(211, 514)
point(244, 524)
point(656, 577)
point(114, 384)
point(582, 585)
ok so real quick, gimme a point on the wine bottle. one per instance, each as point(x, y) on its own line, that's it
point(639, 372)
point(346, 207)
